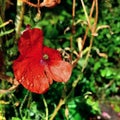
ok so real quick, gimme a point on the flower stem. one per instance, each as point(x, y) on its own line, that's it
point(61, 102)
point(21, 106)
point(73, 28)
point(46, 107)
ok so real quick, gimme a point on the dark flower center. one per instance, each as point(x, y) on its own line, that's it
point(45, 57)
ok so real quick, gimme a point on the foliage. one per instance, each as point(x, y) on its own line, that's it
point(96, 60)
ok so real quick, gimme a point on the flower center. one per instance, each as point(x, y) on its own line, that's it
point(45, 57)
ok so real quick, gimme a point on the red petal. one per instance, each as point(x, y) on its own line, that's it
point(35, 79)
point(52, 53)
point(60, 70)
point(30, 73)
point(29, 39)
point(19, 66)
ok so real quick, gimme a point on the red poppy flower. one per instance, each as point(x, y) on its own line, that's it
point(37, 65)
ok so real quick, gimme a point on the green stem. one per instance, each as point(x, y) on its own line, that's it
point(21, 106)
point(46, 107)
point(19, 17)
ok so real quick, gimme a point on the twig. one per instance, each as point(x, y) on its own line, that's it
point(61, 102)
point(88, 54)
point(5, 77)
point(65, 98)
point(92, 37)
point(73, 28)
point(83, 5)
point(31, 4)
point(6, 23)
point(86, 33)
point(10, 80)
point(8, 90)
point(103, 27)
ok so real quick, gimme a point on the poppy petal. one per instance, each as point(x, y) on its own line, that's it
point(31, 75)
point(52, 53)
point(19, 66)
point(48, 74)
point(35, 79)
point(29, 39)
point(60, 70)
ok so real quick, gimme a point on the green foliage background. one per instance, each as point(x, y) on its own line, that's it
point(98, 83)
